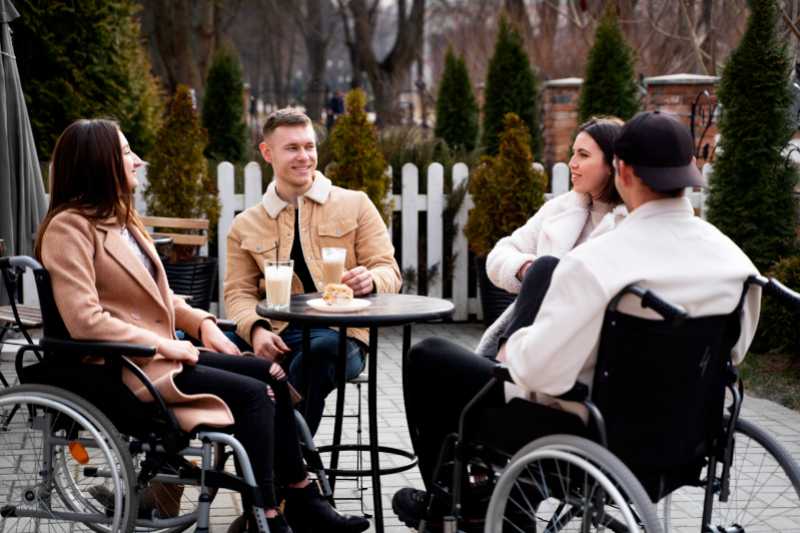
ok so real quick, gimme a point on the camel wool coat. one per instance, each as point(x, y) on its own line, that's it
point(104, 293)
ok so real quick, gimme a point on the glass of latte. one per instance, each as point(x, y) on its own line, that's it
point(333, 265)
point(278, 274)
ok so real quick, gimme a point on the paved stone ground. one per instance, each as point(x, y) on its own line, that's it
point(779, 421)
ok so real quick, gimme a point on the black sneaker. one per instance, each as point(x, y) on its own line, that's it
point(409, 506)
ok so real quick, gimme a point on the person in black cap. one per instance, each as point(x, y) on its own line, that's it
point(552, 340)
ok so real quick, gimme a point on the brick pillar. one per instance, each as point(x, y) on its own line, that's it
point(675, 93)
point(560, 119)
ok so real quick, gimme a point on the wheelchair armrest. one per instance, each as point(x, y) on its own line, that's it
point(577, 393)
point(226, 325)
point(96, 348)
point(501, 372)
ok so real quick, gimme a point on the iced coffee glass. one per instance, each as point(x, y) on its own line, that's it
point(278, 275)
point(333, 265)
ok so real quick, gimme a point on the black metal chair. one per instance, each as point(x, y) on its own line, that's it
point(658, 431)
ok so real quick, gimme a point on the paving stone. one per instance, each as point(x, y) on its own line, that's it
point(782, 423)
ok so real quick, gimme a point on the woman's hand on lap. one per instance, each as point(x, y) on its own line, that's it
point(183, 351)
point(215, 340)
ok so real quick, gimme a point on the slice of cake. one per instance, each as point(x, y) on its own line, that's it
point(338, 294)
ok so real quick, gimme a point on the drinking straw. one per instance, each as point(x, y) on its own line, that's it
point(277, 257)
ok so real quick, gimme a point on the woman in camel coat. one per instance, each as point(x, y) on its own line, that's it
point(109, 285)
point(592, 208)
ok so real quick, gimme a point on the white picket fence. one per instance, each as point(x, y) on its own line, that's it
point(409, 204)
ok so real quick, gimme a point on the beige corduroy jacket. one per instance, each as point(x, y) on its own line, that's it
point(329, 217)
point(103, 292)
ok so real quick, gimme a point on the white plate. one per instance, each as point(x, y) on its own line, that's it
point(357, 305)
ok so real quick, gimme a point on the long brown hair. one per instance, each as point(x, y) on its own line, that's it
point(604, 129)
point(88, 175)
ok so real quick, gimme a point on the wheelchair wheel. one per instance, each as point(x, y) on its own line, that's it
point(568, 483)
point(764, 490)
point(48, 443)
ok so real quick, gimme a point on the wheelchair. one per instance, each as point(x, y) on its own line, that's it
point(82, 453)
point(663, 426)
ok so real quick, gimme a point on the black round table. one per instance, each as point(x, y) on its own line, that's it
point(385, 310)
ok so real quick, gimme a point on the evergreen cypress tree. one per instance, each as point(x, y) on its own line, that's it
point(223, 107)
point(85, 59)
point(179, 184)
point(456, 106)
point(609, 87)
point(506, 190)
point(359, 164)
point(750, 196)
point(511, 87)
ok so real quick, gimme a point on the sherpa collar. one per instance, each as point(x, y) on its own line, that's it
point(319, 192)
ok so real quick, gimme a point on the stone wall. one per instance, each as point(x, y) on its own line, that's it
point(674, 95)
point(560, 119)
point(671, 94)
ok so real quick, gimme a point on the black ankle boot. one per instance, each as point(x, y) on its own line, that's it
point(278, 524)
point(247, 524)
point(308, 511)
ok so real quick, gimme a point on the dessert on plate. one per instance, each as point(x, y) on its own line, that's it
point(338, 294)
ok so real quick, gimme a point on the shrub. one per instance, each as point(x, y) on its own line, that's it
point(179, 184)
point(506, 190)
point(778, 329)
point(456, 106)
point(511, 87)
point(750, 196)
point(359, 164)
point(85, 59)
point(223, 108)
point(609, 87)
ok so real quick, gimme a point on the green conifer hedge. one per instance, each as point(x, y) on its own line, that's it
point(506, 190)
point(224, 108)
point(359, 164)
point(511, 87)
point(179, 183)
point(83, 60)
point(750, 196)
point(609, 86)
point(456, 106)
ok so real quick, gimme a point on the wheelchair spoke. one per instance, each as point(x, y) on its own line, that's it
point(764, 495)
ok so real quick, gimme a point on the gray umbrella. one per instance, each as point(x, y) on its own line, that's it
point(22, 199)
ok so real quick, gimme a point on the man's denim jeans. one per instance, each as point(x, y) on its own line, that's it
point(325, 350)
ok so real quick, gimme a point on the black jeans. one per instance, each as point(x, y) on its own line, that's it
point(441, 377)
point(257, 394)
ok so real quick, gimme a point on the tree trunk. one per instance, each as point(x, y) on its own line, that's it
point(518, 13)
point(312, 25)
point(710, 43)
point(203, 42)
point(386, 76)
point(171, 43)
point(545, 49)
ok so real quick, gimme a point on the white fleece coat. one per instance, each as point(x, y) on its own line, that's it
point(553, 230)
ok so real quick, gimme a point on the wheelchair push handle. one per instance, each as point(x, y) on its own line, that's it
point(780, 292)
point(20, 261)
point(671, 313)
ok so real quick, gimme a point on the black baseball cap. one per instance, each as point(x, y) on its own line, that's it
point(660, 149)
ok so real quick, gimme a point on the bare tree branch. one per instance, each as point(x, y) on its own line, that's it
point(789, 22)
point(694, 37)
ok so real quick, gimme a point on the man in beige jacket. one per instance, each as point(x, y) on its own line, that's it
point(301, 213)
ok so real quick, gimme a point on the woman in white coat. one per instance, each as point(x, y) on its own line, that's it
point(593, 207)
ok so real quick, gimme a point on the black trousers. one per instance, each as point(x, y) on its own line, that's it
point(256, 392)
point(441, 377)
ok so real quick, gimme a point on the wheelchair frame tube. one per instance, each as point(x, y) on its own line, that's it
point(247, 472)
